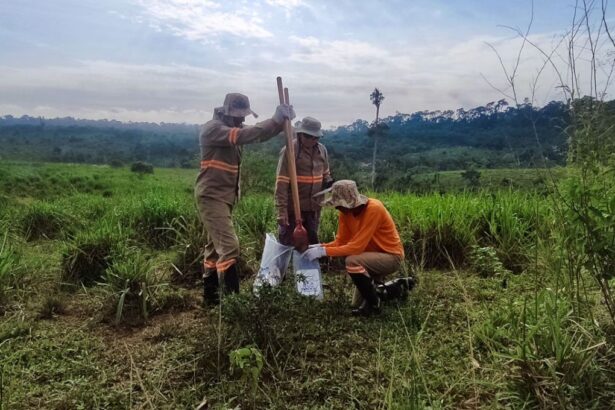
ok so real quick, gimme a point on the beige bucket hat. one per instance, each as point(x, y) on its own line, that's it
point(309, 125)
point(237, 105)
point(343, 193)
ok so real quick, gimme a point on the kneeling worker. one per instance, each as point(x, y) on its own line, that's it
point(368, 239)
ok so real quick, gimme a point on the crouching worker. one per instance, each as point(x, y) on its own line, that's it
point(217, 186)
point(368, 239)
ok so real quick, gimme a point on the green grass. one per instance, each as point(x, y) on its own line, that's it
point(493, 179)
point(130, 331)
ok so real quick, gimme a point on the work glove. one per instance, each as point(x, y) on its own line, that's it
point(314, 253)
point(283, 220)
point(283, 112)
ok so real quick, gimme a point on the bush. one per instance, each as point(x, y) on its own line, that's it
point(142, 168)
point(45, 221)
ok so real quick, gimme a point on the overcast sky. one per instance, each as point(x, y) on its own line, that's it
point(174, 60)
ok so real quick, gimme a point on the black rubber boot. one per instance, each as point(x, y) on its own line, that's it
point(210, 287)
point(396, 289)
point(231, 280)
point(371, 300)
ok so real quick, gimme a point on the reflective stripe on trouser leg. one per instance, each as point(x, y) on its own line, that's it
point(377, 264)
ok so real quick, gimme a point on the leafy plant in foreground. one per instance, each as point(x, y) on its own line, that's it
point(485, 262)
point(131, 283)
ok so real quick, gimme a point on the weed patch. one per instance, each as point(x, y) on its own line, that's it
point(42, 220)
point(88, 255)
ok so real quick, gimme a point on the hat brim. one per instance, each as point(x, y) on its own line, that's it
point(241, 113)
point(309, 132)
point(360, 200)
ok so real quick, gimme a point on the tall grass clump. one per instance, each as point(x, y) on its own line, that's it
point(436, 230)
point(555, 359)
point(254, 216)
point(42, 220)
point(4, 204)
point(152, 219)
point(87, 256)
point(9, 270)
point(131, 284)
point(190, 239)
point(586, 238)
point(440, 230)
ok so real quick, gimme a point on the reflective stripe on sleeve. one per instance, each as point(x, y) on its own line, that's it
point(224, 166)
point(309, 179)
point(282, 179)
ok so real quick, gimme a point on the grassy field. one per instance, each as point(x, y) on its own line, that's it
point(100, 305)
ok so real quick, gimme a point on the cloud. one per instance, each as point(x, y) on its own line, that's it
point(203, 21)
point(337, 54)
point(286, 4)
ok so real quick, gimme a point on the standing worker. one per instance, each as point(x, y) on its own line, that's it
point(313, 175)
point(368, 239)
point(217, 185)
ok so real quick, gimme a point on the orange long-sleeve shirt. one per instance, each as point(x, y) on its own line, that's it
point(371, 231)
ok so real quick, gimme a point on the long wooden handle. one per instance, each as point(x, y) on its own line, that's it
point(290, 153)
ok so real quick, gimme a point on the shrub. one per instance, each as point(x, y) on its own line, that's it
point(142, 168)
point(43, 220)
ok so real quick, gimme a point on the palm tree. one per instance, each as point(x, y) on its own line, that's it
point(376, 97)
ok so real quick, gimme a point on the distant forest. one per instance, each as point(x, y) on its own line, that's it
point(496, 135)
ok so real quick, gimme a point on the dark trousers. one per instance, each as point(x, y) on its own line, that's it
point(310, 221)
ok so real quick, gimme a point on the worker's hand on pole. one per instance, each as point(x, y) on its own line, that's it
point(314, 253)
point(283, 112)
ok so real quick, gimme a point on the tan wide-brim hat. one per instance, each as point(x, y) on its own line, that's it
point(342, 193)
point(310, 126)
point(237, 105)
